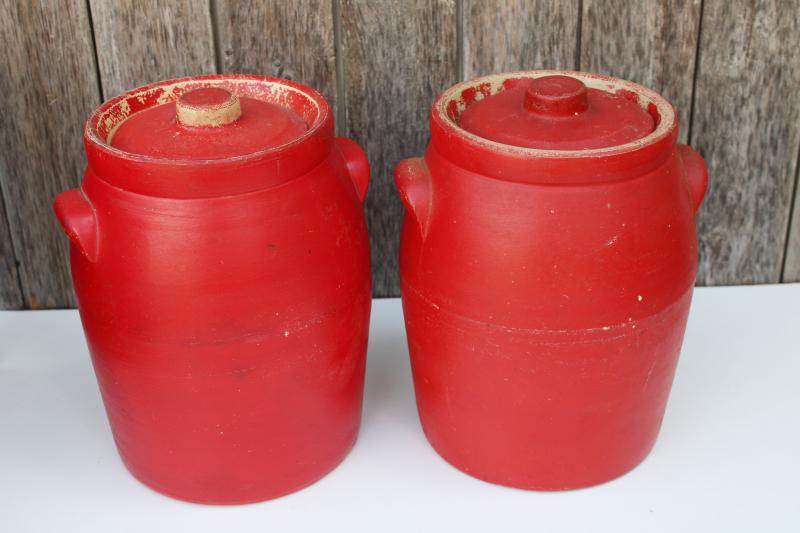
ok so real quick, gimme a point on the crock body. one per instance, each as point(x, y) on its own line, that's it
point(544, 320)
point(228, 333)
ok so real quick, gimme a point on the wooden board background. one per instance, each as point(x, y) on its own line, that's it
point(48, 83)
point(731, 68)
point(393, 67)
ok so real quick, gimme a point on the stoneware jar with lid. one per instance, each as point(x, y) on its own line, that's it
point(221, 265)
point(547, 261)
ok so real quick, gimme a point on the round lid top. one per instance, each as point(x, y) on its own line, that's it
point(557, 112)
point(207, 123)
point(209, 136)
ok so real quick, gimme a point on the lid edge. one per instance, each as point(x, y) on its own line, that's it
point(452, 97)
point(167, 92)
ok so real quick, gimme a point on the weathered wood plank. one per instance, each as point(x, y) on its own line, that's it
point(747, 125)
point(292, 40)
point(143, 41)
point(519, 35)
point(10, 291)
point(49, 87)
point(397, 57)
point(652, 43)
point(791, 272)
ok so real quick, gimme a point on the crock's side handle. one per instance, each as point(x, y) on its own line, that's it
point(357, 165)
point(79, 221)
point(413, 181)
point(696, 173)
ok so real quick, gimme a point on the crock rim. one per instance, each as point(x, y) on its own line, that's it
point(93, 137)
point(494, 83)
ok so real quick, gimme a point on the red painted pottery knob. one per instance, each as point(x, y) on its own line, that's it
point(556, 95)
point(208, 107)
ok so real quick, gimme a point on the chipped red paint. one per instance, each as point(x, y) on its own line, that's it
point(546, 292)
point(557, 113)
point(225, 301)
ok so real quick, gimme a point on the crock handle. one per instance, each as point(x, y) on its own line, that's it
point(696, 173)
point(357, 165)
point(79, 221)
point(413, 181)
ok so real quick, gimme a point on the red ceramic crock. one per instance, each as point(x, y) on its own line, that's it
point(221, 265)
point(546, 290)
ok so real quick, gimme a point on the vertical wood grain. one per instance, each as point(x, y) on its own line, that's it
point(519, 35)
point(653, 43)
point(791, 272)
point(10, 291)
point(292, 40)
point(747, 125)
point(49, 87)
point(143, 41)
point(397, 56)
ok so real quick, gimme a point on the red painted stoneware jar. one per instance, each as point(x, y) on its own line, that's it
point(547, 261)
point(221, 265)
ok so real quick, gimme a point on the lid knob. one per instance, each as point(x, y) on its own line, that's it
point(208, 107)
point(556, 96)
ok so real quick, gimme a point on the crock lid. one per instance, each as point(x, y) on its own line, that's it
point(558, 112)
point(208, 123)
point(559, 166)
point(209, 136)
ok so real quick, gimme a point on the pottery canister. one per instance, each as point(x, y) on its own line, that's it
point(221, 265)
point(547, 262)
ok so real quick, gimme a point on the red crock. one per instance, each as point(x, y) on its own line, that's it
point(547, 261)
point(221, 265)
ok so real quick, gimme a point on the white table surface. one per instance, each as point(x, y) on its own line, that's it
point(727, 459)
